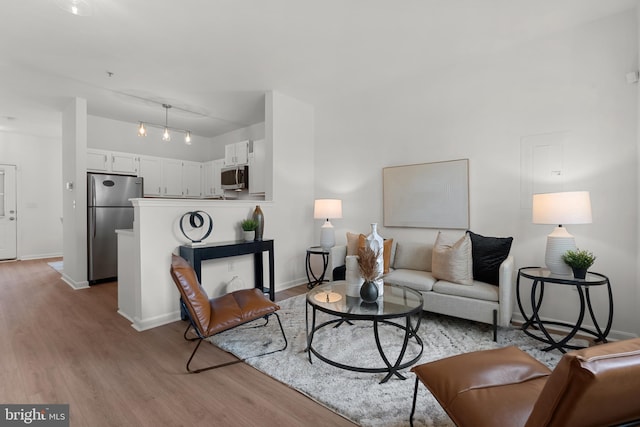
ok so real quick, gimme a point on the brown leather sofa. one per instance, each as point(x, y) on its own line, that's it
point(596, 386)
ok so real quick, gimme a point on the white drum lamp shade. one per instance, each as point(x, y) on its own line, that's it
point(327, 209)
point(571, 207)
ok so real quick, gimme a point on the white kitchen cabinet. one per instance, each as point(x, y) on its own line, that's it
point(171, 178)
point(150, 168)
point(211, 178)
point(236, 153)
point(124, 163)
point(97, 160)
point(257, 168)
point(192, 179)
point(111, 162)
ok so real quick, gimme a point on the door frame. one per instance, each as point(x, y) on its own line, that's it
point(15, 196)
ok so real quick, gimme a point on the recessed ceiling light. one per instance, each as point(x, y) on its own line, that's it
point(76, 7)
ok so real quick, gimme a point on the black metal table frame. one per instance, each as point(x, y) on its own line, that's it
point(390, 369)
point(196, 254)
point(316, 250)
point(585, 302)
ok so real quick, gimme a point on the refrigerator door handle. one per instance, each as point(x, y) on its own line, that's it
point(93, 192)
point(93, 222)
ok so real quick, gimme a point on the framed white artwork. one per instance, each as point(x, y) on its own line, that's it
point(427, 195)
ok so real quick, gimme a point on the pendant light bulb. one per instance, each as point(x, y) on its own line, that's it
point(187, 138)
point(165, 134)
point(142, 131)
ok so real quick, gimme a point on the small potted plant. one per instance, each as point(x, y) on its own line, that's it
point(249, 228)
point(579, 261)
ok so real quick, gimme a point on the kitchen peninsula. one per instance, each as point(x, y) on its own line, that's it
point(146, 293)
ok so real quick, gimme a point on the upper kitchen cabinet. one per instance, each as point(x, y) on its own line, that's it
point(236, 153)
point(112, 162)
point(150, 168)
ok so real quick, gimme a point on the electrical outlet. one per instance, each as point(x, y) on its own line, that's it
point(230, 265)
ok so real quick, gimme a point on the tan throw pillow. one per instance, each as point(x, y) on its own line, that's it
point(354, 241)
point(452, 259)
point(386, 254)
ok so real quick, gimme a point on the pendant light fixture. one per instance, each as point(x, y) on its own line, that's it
point(76, 7)
point(166, 135)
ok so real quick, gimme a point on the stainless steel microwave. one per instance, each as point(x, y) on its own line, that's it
point(235, 178)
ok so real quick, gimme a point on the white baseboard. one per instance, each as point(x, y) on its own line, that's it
point(40, 256)
point(153, 322)
point(84, 284)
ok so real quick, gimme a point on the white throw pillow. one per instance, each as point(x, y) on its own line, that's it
point(452, 259)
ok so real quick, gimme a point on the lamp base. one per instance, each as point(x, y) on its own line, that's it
point(327, 235)
point(558, 242)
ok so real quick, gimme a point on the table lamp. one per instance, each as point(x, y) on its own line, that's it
point(327, 209)
point(571, 207)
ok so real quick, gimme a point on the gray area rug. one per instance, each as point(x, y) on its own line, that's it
point(359, 396)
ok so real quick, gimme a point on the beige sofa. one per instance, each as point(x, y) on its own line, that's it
point(411, 265)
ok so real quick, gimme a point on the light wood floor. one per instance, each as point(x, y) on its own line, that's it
point(58, 345)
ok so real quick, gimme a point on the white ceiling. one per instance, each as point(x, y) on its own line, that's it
point(214, 59)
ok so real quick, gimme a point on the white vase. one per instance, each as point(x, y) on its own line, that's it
point(375, 242)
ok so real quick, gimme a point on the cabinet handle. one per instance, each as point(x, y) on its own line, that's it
point(159, 190)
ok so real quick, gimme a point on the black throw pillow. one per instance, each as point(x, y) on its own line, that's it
point(488, 253)
point(339, 273)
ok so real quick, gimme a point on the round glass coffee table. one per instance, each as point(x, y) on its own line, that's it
point(396, 307)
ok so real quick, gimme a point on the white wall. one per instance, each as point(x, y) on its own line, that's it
point(572, 81)
point(39, 173)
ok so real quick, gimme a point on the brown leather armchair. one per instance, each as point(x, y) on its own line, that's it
point(596, 386)
point(208, 317)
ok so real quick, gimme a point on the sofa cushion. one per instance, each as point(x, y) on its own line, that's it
point(414, 279)
point(413, 256)
point(452, 259)
point(488, 253)
point(477, 290)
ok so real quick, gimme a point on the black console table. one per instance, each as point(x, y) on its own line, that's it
point(198, 253)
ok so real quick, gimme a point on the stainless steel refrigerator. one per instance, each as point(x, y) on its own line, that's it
point(108, 209)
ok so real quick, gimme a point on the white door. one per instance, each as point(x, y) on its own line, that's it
point(8, 215)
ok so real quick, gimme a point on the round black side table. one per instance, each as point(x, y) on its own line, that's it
point(540, 277)
point(312, 279)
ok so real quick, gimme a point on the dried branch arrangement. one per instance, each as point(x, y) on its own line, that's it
point(367, 260)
